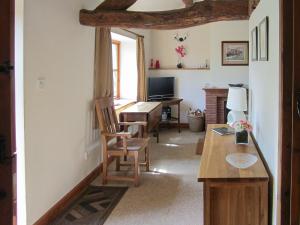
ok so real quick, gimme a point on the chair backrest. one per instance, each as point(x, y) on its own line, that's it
point(106, 114)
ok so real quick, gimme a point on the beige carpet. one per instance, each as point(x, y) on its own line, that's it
point(170, 195)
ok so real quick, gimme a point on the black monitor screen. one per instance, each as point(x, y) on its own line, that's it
point(161, 87)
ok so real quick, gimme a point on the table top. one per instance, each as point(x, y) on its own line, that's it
point(172, 101)
point(142, 107)
point(213, 164)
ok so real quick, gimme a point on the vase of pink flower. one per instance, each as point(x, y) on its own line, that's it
point(180, 50)
point(242, 129)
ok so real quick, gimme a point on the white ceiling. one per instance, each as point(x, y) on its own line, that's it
point(157, 5)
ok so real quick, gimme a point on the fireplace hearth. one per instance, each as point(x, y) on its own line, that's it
point(216, 111)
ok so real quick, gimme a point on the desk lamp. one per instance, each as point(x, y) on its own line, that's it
point(237, 102)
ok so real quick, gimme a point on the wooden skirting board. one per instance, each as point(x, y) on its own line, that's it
point(61, 205)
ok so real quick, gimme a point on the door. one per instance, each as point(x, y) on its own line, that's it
point(295, 171)
point(290, 113)
point(7, 131)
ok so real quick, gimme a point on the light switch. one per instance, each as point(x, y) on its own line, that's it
point(41, 83)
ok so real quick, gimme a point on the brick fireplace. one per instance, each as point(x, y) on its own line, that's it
point(216, 112)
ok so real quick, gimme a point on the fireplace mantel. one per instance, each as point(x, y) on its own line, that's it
point(216, 111)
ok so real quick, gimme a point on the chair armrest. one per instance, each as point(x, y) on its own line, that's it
point(120, 134)
point(140, 123)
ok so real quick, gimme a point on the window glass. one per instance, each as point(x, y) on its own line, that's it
point(125, 78)
point(116, 69)
point(115, 56)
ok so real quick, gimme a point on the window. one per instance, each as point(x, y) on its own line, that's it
point(116, 45)
point(124, 68)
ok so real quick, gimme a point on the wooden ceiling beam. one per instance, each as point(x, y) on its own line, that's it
point(200, 13)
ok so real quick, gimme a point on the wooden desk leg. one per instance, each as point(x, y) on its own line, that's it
point(206, 203)
point(264, 203)
point(179, 126)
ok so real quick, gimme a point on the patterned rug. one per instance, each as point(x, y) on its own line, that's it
point(92, 207)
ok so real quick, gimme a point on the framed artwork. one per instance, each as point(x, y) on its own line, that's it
point(264, 40)
point(254, 46)
point(235, 53)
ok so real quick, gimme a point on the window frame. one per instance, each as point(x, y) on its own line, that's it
point(118, 70)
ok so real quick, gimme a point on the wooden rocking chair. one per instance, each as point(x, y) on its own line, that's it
point(124, 145)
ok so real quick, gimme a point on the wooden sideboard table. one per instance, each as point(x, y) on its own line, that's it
point(232, 196)
point(149, 112)
point(170, 102)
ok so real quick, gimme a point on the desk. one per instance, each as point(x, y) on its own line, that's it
point(170, 102)
point(149, 112)
point(232, 196)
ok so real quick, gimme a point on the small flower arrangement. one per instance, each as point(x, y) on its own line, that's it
point(242, 129)
point(180, 50)
point(242, 125)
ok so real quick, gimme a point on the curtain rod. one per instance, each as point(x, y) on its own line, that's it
point(138, 35)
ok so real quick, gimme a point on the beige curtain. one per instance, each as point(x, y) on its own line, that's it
point(142, 90)
point(103, 71)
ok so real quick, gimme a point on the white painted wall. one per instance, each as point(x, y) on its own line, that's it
point(204, 42)
point(58, 119)
point(264, 91)
point(58, 130)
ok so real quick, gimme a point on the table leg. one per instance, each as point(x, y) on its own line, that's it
point(179, 126)
point(145, 133)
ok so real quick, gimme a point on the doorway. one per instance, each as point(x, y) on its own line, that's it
point(289, 202)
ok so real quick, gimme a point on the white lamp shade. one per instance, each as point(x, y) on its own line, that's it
point(237, 99)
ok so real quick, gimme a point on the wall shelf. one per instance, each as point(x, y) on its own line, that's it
point(175, 68)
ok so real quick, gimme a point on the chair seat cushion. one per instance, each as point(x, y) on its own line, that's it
point(133, 144)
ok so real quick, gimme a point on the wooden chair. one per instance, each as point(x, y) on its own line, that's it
point(117, 144)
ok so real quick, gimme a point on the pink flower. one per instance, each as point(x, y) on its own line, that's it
point(242, 125)
point(180, 51)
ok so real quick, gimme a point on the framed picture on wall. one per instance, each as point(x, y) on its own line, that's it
point(235, 53)
point(264, 40)
point(254, 46)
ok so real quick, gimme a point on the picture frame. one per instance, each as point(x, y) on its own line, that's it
point(235, 53)
point(254, 44)
point(264, 39)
